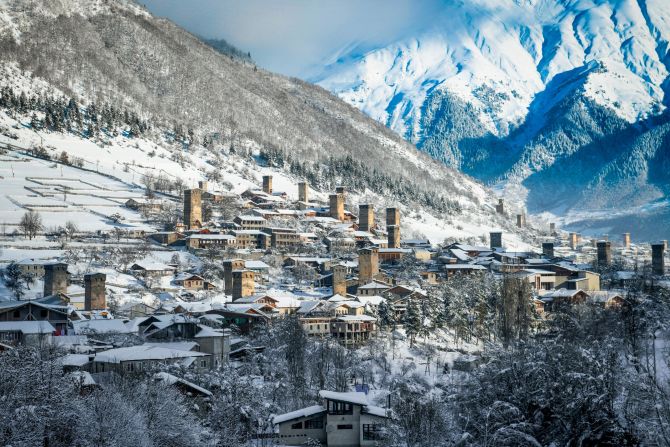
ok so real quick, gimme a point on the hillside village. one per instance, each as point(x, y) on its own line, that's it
point(237, 264)
point(197, 251)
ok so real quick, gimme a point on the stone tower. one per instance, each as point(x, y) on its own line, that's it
point(55, 278)
point(303, 192)
point(572, 241)
point(552, 228)
point(392, 216)
point(658, 258)
point(228, 266)
point(267, 184)
point(604, 252)
point(393, 236)
point(500, 207)
point(626, 240)
point(368, 264)
point(340, 190)
point(520, 220)
point(340, 280)
point(193, 208)
point(495, 239)
point(366, 217)
point(243, 284)
point(337, 206)
point(94, 291)
point(548, 249)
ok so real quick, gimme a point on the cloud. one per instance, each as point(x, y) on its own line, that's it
point(294, 37)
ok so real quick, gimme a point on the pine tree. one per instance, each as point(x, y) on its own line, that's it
point(412, 321)
point(386, 315)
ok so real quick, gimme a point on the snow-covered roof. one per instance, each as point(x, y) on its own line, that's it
point(27, 327)
point(83, 378)
point(76, 360)
point(207, 331)
point(144, 352)
point(100, 326)
point(356, 318)
point(171, 380)
point(374, 300)
point(256, 265)
point(297, 414)
point(374, 285)
point(214, 237)
point(351, 397)
point(376, 411)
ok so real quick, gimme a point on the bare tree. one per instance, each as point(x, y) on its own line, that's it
point(31, 224)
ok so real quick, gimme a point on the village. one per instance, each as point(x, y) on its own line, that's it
point(190, 296)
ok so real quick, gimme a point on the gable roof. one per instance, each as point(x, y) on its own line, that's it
point(297, 414)
point(27, 327)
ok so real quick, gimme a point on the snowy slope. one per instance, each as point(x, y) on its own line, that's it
point(532, 96)
point(498, 54)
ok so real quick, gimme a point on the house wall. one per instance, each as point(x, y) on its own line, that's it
point(344, 437)
point(369, 419)
point(298, 436)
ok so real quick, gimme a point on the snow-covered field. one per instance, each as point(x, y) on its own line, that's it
point(92, 197)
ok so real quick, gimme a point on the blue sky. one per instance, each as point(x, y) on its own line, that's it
point(297, 37)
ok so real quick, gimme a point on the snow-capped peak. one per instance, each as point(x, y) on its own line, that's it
point(499, 54)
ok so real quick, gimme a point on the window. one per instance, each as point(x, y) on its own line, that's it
point(313, 423)
point(335, 407)
point(372, 432)
point(203, 363)
point(296, 426)
point(345, 427)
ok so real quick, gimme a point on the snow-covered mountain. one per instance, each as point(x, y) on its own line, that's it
point(487, 85)
point(212, 115)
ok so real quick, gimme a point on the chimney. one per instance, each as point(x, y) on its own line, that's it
point(267, 184)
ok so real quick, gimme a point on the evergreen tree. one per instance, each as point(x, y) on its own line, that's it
point(386, 315)
point(412, 321)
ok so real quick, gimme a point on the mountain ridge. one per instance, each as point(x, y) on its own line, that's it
point(506, 90)
point(208, 105)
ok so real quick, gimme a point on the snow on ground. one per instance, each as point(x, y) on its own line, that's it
point(61, 193)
